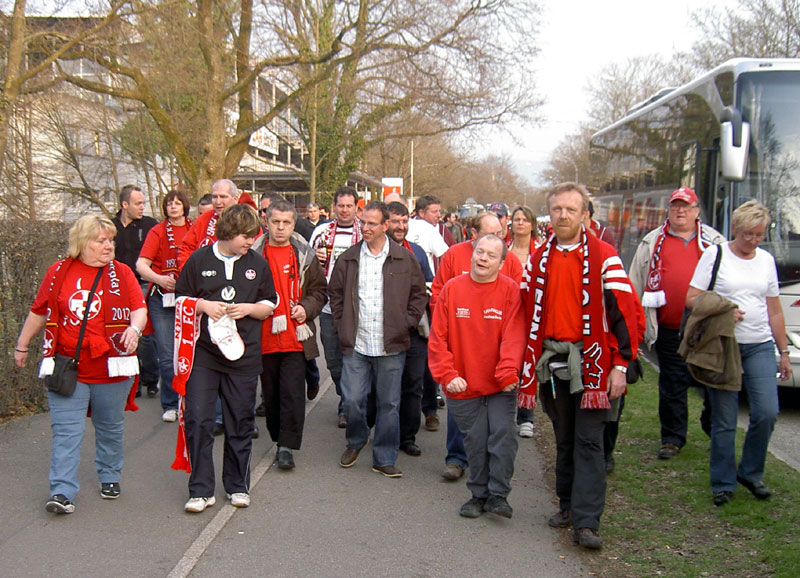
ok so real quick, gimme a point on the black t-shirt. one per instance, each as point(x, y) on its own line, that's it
point(250, 281)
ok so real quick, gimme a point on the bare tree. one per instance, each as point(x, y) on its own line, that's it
point(456, 63)
point(754, 28)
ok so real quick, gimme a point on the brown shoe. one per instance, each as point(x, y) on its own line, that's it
point(431, 422)
point(668, 451)
point(312, 391)
point(452, 472)
point(587, 538)
point(349, 457)
point(388, 471)
point(561, 519)
point(342, 422)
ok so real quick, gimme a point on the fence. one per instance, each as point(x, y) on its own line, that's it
point(27, 249)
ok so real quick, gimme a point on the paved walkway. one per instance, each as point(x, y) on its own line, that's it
point(317, 520)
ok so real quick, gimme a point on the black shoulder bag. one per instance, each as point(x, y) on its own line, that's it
point(65, 373)
point(686, 310)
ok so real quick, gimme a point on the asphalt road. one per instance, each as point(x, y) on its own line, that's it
point(317, 520)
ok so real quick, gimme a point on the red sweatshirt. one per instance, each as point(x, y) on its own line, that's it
point(457, 261)
point(478, 333)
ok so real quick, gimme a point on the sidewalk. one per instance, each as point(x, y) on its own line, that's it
point(317, 520)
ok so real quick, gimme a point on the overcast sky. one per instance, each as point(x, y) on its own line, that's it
point(577, 38)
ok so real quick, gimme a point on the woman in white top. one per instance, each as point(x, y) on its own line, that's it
point(747, 276)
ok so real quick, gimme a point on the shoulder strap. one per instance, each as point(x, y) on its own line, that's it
point(86, 313)
point(714, 271)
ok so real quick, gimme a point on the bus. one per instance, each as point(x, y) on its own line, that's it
point(732, 135)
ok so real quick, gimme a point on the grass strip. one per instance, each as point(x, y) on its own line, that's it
point(660, 519)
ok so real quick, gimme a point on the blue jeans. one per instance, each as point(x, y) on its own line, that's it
point(760, 382)
point(357, 375)
point(333, 354)
point(68, 421)
point(163, 320)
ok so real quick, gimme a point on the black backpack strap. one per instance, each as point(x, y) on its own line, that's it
point(714, 271)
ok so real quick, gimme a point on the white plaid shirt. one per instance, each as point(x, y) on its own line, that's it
point(369, 330)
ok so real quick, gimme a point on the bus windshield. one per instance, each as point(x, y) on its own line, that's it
point(770, 101)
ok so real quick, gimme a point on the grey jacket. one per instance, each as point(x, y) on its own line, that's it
point(638, 275)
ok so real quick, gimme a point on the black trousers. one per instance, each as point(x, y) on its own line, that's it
point(411, 388)
point(580, 464)
point(674, 381)
point(283, 383)
point(237, 394)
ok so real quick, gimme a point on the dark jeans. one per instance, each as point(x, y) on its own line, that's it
point(430, 389)
point(333, 354)
point(147, 352)
point(163, 320)
point(673, 382)
point(283, 385)
point(456, 453)
point(312, 372)
point(580, 464)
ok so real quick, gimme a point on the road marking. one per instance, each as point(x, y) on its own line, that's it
point(196, 550)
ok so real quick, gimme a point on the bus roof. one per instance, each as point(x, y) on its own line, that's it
point(735, 65)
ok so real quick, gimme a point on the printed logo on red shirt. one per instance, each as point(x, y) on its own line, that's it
point(77, 305)
point(492, 313)
point(462, 312)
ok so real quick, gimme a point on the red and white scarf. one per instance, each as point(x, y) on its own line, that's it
point(283, 310)
point(187, 332)
point(210, 236)
point(654, 295)
point(328, 237)
point(115, 299)
point(596, 358)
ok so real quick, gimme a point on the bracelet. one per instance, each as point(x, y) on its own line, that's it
point(137, 330)
point(18, 350)
point(621, 368)
point(782, 351)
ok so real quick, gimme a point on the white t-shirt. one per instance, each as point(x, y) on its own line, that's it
point(746, 282)
point(426, 236)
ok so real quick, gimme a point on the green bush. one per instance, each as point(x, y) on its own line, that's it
point(27, 249)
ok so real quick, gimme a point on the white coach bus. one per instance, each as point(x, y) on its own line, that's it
point(732, 135)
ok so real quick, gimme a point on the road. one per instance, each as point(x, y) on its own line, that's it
point(317, 520)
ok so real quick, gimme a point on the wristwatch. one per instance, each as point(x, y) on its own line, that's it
point(621, 368)
point(137, 330)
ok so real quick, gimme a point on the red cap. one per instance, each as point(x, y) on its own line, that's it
point(683, 194)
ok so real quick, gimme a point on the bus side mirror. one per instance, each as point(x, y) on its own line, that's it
point(734, 144)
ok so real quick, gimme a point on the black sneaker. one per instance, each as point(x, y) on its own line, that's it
point(440, 400)
point(261, 411)
point(473, 508)
point(59, 504)
point(498, 505)
point(561, 519)
point(152, 389)
point(758, 489)
point(110, 490)
point(722, 498)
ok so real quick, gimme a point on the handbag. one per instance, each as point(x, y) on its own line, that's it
point(65, 372)
point(686, 311)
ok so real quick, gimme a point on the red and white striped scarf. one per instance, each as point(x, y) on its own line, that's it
point(187, 332)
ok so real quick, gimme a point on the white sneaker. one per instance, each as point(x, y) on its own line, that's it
point(526, 430)
point(199, 504)
point(170, 415)
point(223, 333)
point(239, 500)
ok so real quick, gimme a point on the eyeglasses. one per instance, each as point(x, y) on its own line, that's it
point(753, 236)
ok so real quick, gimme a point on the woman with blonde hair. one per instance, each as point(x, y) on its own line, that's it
point(747, 277)
point(90, 307)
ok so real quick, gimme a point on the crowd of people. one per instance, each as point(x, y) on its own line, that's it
point(216, 305)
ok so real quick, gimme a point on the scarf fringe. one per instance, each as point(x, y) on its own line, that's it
point(304, 332)
point(47, 367)
point(123, 366)
point(654, 299)
point(182, 461)
point(279, 324)
point(526, 400)
point(595, 400)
